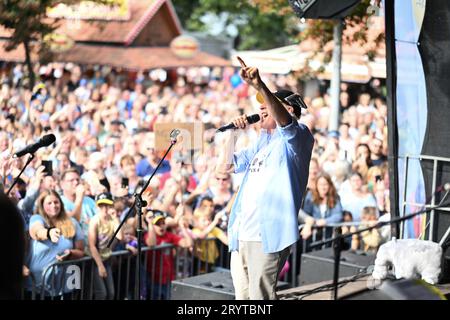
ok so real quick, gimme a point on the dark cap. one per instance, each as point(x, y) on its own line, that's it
point(104, 198)
point(117, 123)
point(288, 97)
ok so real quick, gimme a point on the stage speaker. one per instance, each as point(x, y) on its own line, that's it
point(209, 286)
point(318, 266)
point(323, 9)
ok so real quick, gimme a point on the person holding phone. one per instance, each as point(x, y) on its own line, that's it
point(54, 237)
point(130, 179)
point(263, 222)
point(41, 180)
point(124, 183)
point(48, 167)
point(362, 161)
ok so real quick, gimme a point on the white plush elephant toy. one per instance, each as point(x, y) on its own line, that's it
point(409, 258)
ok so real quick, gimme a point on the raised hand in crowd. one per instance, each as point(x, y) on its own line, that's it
point(93, 185)
point(6, 167)
point(218, 217)
point(37, 178)
point(187, 241)
point(80, 191)
point(179, 215)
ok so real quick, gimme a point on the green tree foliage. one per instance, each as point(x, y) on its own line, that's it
point(27, 21)
point(266, 24)
point(322, 30)
point(256, 29)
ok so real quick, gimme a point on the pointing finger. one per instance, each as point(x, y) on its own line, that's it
point(243, 65)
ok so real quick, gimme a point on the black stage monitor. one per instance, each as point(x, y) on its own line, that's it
point(323, 9)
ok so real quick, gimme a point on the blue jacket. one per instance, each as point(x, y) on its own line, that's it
point(332, 215)
point(286, 176)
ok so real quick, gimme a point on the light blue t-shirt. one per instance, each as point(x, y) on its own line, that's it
point(355, 205)
point(88, 211)
point(43, 253)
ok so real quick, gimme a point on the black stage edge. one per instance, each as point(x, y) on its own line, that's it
point(391, 83)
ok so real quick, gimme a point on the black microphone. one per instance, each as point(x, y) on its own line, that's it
point(32, 148)
point(254, 118)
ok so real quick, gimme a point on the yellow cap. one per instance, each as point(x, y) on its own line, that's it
point(157, 218)
point(260, 98)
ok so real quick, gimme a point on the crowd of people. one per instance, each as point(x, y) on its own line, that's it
point(75, 192)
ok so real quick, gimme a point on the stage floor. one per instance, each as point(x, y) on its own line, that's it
point(360, 289)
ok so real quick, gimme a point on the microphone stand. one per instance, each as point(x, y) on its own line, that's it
point(139, 203)
point(16, 179)
point(339, 239)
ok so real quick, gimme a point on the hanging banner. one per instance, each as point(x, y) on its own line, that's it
point(89, 10)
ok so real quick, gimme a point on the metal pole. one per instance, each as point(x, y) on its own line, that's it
point(402, 224)
point(433, 201)
point(391, 101)
point(335, 87)
point(139, 204)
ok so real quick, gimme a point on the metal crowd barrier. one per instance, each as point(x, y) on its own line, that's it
point(73, 279)
point(186, 263)
point(302, 246)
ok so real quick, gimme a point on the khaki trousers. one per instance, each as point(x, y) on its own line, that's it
point(255, 273)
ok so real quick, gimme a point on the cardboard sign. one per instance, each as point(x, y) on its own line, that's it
point(190, 137)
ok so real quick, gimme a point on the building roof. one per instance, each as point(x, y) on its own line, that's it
point(139, 39)
point(121, 31)
point(125, 57)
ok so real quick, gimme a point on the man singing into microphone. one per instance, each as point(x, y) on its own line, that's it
point(263, 222)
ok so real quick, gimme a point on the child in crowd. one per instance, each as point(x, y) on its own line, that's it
point(159, 279)
point(129, 241)
point(126, 265)
point(347, 218)
point(370, 239)
point(205, 250)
